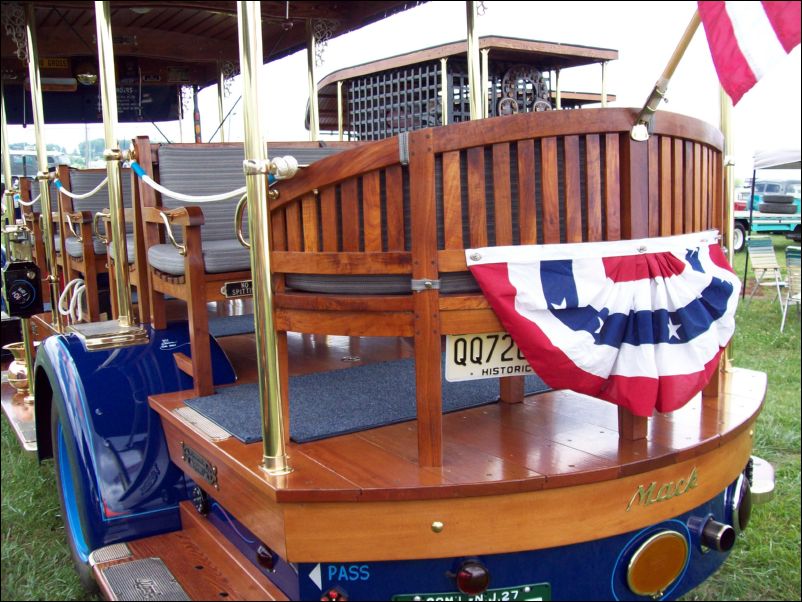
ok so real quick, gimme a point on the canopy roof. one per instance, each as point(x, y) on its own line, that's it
point(158, 46)
point(778, 159)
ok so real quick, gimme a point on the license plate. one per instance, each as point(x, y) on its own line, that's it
point(476, 356)
point(539, 591)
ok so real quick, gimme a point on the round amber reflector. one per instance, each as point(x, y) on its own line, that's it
point(657, 563)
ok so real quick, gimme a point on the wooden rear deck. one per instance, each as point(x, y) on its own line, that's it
point(521, 470)
point(552, 439)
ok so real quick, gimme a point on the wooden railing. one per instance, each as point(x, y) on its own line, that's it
point(409, 208)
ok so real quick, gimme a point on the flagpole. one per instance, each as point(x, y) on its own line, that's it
point(640, 131)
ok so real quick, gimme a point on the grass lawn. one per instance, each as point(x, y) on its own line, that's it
point(765, 564)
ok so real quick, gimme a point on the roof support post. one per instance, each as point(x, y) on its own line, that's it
point(444, 96)
point(57, 320)
point(340, 124)
point(474, 71)
point(485, 83)
point(274, 454)
point(108, 96)
point(221, 86)
point(314, 120)
point(604, 84)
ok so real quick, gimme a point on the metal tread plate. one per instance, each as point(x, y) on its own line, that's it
point(202, 425)
point(144, 579)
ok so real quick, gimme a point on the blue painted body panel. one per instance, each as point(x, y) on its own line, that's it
point(124, 485)
point(594, 570)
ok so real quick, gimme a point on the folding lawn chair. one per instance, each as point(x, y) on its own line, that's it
point(764, 264)
point(793, 269)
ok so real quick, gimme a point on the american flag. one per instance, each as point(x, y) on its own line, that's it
point(748, 38)
point(640, 323)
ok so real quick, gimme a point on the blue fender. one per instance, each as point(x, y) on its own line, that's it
point(123, 483)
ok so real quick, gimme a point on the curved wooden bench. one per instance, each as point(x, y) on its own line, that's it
point(407, 207)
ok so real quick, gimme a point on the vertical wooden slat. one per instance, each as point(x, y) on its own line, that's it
point(394, 185)
point(719, 209)
point(593, 184)
point(310, 223)
point(573, 200)
point(328, 217)
point(278, 229)
point(634, 188)
point(295, 239)
point(687, 189)
point(452, 201)
point(665, 186)
point(501, 194)
point(612, 187)
point(654, 186)
point(372, 211)
point(677, 187)
point(551, 199)
point(526, 192)
point(477, 210)
point(697, 187)
point(428, 390)
point(349, 202)
point(148, 198)
point(705, 191)
point(634, 224)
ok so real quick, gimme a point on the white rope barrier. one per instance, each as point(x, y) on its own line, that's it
point(73, 293)
point(19, 200)
point(79, 197)
point(184, 197)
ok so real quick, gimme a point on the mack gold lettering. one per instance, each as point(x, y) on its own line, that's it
point(646, 495)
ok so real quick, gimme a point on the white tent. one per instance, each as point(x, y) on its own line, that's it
point(778, 159)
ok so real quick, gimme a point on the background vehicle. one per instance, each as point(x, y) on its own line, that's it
point(776, 209)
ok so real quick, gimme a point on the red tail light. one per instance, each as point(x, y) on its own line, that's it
point(472, 577)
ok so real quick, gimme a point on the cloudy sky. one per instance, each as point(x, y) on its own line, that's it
point(645, 34)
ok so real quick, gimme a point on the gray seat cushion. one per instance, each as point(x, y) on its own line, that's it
point(393, 284)
point(82, 181)
point(76, 248)
point(218, 256)
point(129, 247)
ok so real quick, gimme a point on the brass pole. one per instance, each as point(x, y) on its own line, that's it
point(485, 82)
point(340, 124)
point(559, 93)
point(10, 226)
point(314, 121)
point(43, 175)
point(10, 216)
point(604, 84)
point(444, 100)
point(221, 85)
point(474, 71)
point(108, 97)
point(661, 87)
point(728, 191)
point(274, 454)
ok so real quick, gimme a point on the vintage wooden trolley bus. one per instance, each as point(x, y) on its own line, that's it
point(343, 448)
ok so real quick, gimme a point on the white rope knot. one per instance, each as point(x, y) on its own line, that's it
point(284, 167)
point(70, 303)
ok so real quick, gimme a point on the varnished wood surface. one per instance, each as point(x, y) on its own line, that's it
point(551, 440)
point(203, 562)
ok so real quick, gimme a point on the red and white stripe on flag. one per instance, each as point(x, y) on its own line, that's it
point(747, 38)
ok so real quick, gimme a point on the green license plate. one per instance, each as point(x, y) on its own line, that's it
point(539, 591)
